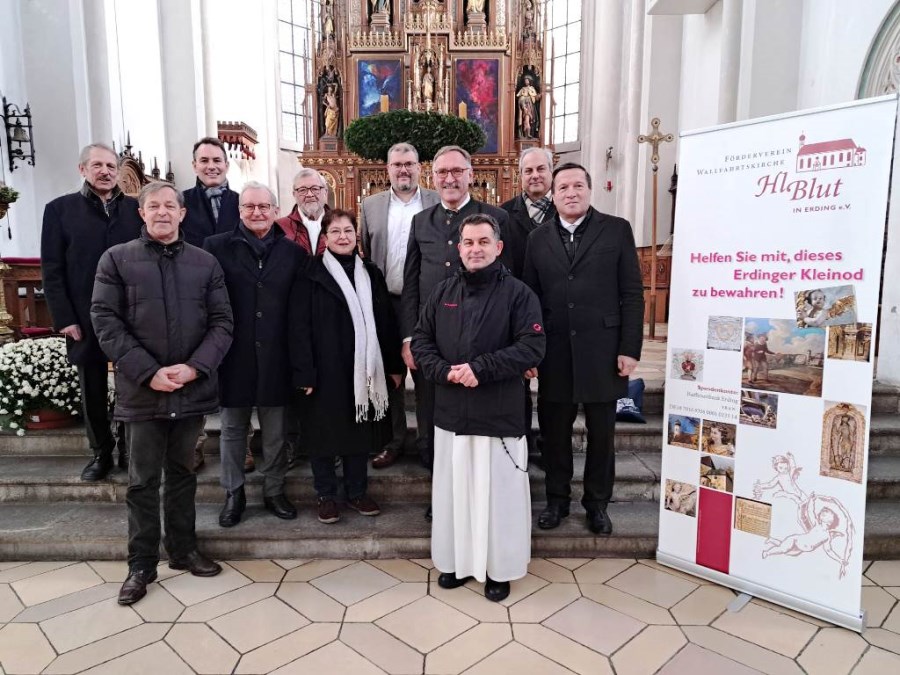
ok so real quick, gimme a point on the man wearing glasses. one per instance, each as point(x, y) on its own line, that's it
point(432, 256)
point(385, 222)
point(303, 225)
point(263, 273)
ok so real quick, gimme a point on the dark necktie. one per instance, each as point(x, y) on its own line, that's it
point(214, 194)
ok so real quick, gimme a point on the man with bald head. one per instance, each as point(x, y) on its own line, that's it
point(77, 229)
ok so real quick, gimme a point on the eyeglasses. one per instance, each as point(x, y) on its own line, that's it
point(402, 165)
point(443, 173)
point(314, 190)
point(334, 232)
point(250, 208)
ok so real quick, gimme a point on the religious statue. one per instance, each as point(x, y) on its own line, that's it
point(475, 6)
point(328, 19)
point(332, 111)
point(843, 443)
point(379, 6)
point(428, 87)
point(528, 29)
point(527, 118)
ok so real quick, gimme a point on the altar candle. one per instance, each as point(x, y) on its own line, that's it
point(385, 103)
point(462, 110)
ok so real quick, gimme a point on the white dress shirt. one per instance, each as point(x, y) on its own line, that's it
point(571, 227)
point(400, 215)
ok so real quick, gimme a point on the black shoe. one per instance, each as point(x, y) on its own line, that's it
point(551, 516)
point(495, 591)
point(123, 460)
point(428, 513)
point(281, 507)
point(135, 586)
point(99, 467)
point(195, 563)
point(450, 580)
point(235, 502)
point(599, 522)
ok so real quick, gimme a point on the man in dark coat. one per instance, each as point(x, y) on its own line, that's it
point(263, 272)
point(584, 268)
point(212, 208)
point(385, 221)
point(77, 229)
point(530, 208)
point(527, 212)
point(432, 256)
point(479, 332)
point(161, 312)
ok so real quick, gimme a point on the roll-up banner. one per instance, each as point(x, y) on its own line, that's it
point(778, 241)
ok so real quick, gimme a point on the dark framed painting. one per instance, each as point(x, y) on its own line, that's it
point(478, 86)
point(375, 78)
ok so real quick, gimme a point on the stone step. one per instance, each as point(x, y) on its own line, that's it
point(884, 437)
point(66, 531)
point(57, 479)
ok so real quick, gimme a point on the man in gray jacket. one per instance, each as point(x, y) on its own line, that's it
point(161, 313)
point(384, 224)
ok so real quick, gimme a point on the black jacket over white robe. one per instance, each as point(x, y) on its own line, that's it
point(492, 321)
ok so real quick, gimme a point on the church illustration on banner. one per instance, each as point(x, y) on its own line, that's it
point(829, 155)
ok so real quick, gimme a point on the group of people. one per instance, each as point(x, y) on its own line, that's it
point(205, 301)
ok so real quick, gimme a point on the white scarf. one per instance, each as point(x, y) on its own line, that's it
point(369, 385)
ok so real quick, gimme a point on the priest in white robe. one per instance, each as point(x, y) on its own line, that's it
point(478, 334)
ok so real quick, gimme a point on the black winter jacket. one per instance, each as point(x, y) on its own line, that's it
point(492, 321)
point(77, 229)
point(154, 306)
point(257, 369)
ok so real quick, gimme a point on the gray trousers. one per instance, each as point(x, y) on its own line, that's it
point(233, 447)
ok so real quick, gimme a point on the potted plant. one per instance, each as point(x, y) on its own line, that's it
point(38, 386)
point(7, 196)
point(371, 137)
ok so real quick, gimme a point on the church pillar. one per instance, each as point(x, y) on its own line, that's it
point(730, 70)
point(98, 72)
point(181, 47)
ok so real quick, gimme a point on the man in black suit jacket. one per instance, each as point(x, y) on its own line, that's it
point(212, 208)
point(77, 229)
point(432, 256)
point(531, 208)
point(584, 268)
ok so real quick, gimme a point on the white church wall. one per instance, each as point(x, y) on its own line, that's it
point(700, 66)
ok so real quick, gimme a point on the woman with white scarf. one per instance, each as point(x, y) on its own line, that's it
point(354, 347)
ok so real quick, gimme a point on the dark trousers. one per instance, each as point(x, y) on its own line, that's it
point(424, 418)
point(556, 420)
point(158, 445)
point(356, 477)
point(94, 381)
point(397, 399)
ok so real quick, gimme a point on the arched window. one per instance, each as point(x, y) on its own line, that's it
point(564, 22)
point(295, 18)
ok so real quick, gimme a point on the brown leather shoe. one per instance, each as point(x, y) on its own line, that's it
point(365, 505)
point(135, 586)
point(386, 457)
point(328, 510)
point(249, 463)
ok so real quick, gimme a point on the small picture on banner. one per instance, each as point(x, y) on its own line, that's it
point(681, 498)
point(752, 516)
point(684, 432)
point(852, 342)
point(780, 356)
point(718, 438)
point(687, 364)
point(819, 307)
point(725, 333)
point(843, 441)
point(759, 409)
point(717, 473)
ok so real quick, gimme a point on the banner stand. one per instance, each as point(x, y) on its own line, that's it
point(853, 622)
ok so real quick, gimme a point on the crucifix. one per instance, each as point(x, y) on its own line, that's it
point(654, 139)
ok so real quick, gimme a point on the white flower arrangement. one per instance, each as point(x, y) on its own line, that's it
point(35, 375)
